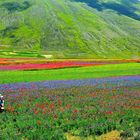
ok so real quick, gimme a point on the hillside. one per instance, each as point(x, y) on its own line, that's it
point(72, 28)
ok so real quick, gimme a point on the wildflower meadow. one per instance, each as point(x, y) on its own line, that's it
point(94, 107)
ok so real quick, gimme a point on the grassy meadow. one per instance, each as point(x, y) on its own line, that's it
point(70, 73)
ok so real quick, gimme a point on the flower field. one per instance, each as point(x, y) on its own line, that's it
point(37, 64)
point(91, 107)
point(94, 103)
point(51, 65)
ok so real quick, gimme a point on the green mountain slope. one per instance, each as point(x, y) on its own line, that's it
point(72, 28)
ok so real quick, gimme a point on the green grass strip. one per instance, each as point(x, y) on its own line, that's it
point(70, 73)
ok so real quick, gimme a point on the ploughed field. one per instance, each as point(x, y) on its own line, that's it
point(97, 102)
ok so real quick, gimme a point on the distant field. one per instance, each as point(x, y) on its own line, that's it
point(41, 63)
point(70, 73)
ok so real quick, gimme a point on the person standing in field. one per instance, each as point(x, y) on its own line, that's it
point(1, 103)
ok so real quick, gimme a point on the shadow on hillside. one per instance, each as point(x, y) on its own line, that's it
point(15, 6)
point(126, 8)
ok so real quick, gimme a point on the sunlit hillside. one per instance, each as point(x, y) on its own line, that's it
point(72, 28)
